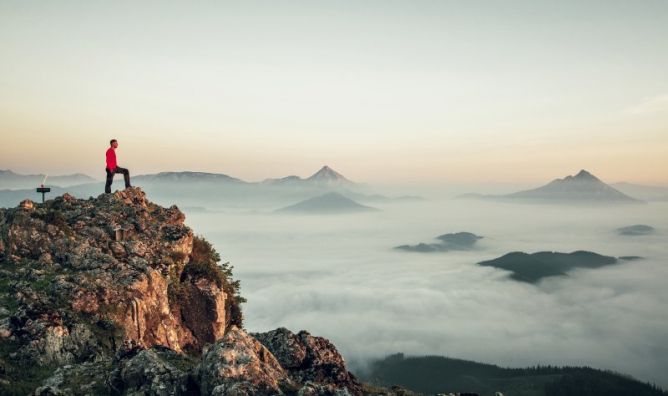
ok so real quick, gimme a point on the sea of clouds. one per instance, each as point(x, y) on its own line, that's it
point(338, 276)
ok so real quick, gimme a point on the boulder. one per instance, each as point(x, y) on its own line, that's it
point(240, 365)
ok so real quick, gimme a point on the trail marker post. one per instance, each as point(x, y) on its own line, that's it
point(42, 189)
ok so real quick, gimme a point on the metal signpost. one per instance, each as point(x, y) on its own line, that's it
point(42, 189)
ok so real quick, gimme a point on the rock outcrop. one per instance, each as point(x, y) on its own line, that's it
point(112, 261)
point(116, 295)
point(241, 365)
point(309, 359)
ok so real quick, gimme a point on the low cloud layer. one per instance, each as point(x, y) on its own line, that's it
point(338, 277)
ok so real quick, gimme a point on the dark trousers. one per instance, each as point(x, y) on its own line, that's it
point(110, 177)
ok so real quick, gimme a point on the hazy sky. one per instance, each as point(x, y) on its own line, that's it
point(383, 91)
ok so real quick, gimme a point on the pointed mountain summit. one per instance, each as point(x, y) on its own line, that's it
point(584, 175)
point(327, 175)
point(581, 187)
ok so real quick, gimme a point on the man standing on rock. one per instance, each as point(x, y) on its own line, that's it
point(112, 168)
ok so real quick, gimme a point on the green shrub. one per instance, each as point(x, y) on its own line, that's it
point(204, 263)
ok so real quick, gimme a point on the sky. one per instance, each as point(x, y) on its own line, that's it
point(431, 92)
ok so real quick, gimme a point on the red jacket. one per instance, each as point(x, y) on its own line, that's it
point(111, 159)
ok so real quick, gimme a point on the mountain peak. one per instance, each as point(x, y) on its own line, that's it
point(327, 171)
point(329, 176)
point(583, 174)
point(582, 187)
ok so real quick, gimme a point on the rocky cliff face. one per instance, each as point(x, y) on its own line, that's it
point(115, 295)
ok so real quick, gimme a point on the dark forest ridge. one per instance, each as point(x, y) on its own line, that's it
point(440, 375)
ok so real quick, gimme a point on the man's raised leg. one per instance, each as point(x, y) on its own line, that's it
point(126, 176)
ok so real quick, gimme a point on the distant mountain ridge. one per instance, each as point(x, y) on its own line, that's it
point(199, 187)
point(14, 181)
point(187, 176)
point(582, 187)
point(325, 176)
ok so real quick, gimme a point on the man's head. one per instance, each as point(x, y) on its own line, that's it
point(113, 143)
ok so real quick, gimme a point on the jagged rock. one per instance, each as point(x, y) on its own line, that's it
point(80, 293)
point(206, 315)
point(149, 372)
point(27, 204)
point(68, 198)
point(89, 378)
point(240, 365)
point(117, 249)
point(309, 359)
point(148, 318)
point(400, 391)
point(312, 389)
point(285, 345)
point(61, 344)
point(5, 329)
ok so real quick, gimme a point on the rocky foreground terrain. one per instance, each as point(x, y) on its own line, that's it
point(116, 296)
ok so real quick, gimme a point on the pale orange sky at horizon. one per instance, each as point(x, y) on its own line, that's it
point(383, 92)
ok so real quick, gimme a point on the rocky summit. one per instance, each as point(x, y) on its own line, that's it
point(115, 295)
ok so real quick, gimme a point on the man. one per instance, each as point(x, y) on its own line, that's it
point(112, 168)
